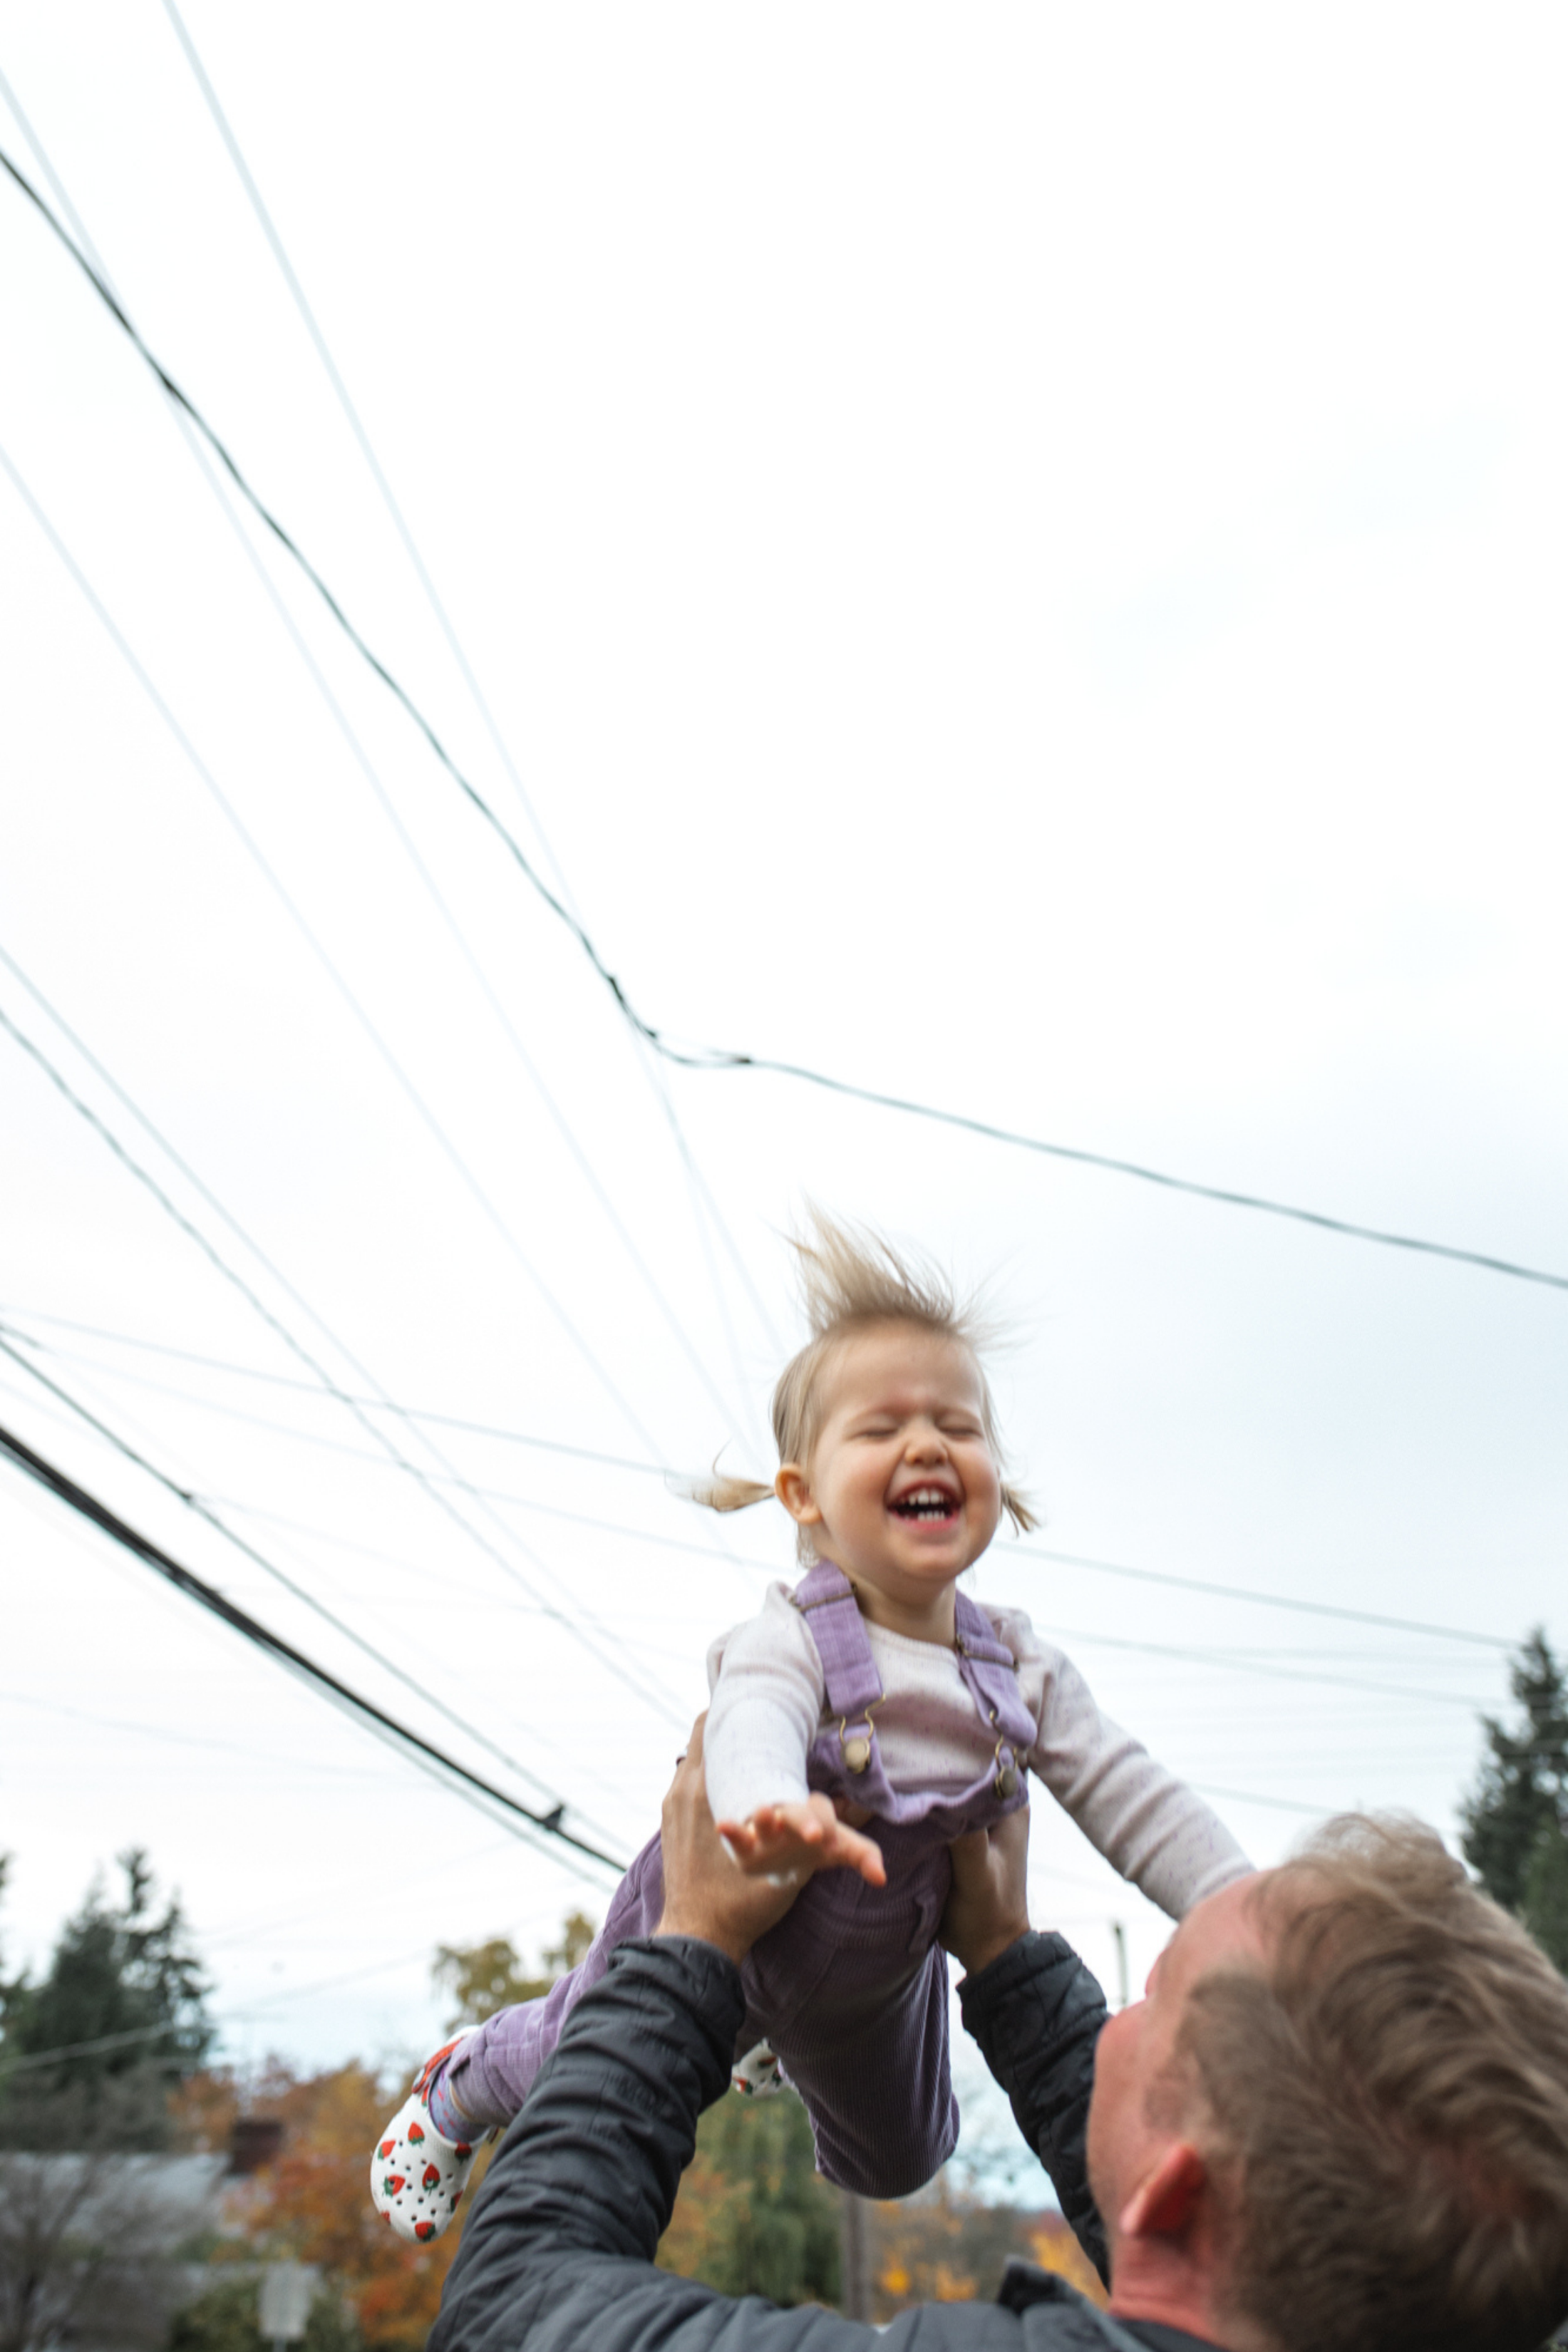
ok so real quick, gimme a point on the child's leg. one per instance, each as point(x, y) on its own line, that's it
point(881, 2094)
point(490, 2073)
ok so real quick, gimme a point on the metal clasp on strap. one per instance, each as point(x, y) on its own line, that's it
point(857, 1752)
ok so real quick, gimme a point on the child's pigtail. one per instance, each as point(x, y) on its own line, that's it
point(1017, 1508)
point(718, 1492)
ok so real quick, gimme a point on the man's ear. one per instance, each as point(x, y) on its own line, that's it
point(793, 1492)
point(1163, 2202)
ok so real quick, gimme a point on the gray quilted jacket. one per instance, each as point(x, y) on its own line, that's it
point(558, 2253)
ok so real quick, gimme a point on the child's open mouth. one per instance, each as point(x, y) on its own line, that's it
point(926, 1503)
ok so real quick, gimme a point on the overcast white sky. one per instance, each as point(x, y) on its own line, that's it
point(1017, 558)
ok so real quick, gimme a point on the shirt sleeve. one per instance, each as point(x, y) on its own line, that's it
point(767, 1690)
point(1150, 1826)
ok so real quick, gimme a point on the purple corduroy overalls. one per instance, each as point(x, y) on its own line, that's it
point(850, 1988)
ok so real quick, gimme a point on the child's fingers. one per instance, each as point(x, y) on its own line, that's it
point(867, 1858)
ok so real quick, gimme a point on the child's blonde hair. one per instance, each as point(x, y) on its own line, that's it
point(851, 1280)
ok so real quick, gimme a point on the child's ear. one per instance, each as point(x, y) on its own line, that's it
point(793, 1492)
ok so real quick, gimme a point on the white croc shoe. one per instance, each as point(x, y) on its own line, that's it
point(756, 2075)
point(416, 2177)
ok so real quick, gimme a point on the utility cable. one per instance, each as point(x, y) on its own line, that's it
point(312, 328)
point(361, 1408)
point(361, 758)
point(341, 389)
point(445, 1769)
point(694, 1179)
point(481, 979)
point(275, 885)
point(1264, 1600)
point(430, 1486)
point(719, 1057)
point(311, 1388)
point(432, 1124)
point(1249, 1666)
point(1248, 1663)
point(170, 2029)
point(202, 1509)
point(1247, 1594)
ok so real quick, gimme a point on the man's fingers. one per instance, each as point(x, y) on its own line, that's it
point(690, 1757)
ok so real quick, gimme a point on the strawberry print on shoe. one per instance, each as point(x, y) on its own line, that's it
point(757, 2075)
point(416, 2176)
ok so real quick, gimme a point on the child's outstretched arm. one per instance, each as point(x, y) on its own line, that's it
point(1148, 1825)
point(767, 1685)
point(789, 1842)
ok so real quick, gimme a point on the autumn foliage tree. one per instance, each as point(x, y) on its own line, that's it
point(484, 1978)
point(944, 2247)
point(311, 2202)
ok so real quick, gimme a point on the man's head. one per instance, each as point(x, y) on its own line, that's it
point(1339, 2119)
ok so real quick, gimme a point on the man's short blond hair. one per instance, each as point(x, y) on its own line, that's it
point(853, 1280)
point(1384, 2107)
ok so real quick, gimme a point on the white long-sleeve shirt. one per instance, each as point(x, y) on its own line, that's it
point(767, 1706)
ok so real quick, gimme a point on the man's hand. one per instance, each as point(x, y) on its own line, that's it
point(705, 1893)
point(988, 1909)
point(788, 1842)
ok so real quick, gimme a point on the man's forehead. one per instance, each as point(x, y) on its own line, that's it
point(1229, 1928)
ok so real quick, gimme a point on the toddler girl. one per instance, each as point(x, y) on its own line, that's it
point(857, 1723)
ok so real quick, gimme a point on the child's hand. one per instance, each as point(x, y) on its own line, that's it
point(791, 1841)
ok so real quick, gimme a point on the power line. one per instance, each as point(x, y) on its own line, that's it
point(1249, 1663)
point(1210, 1589)
point(698, 1185)
point(166, 1734)
point(197, 448)
point(310, 1388)
point(275, 883)
point(341, 389)
point(169, 2029)
point(202, 1509)
point(1266, 1600)
point(623, 1673)
point(1274, 1804)
point(429, 1484)
point(719, 1057)
point(1256, 1667)
point(406, 841)
point(358, 1407)
point(445, 1769)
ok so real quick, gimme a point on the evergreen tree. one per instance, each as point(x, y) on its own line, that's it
point(1515, 1818)
point(124, 1997)
point(755, 2216)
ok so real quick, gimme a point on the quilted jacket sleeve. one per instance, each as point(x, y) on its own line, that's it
point(558, 2253)
point(1036, 2014)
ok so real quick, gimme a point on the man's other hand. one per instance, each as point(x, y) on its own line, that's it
point(988, 1909)
point(706, 1893)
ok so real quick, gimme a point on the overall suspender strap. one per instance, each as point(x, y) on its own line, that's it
point(989, 1668)
point(977, 1636)
point(826, 1600)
